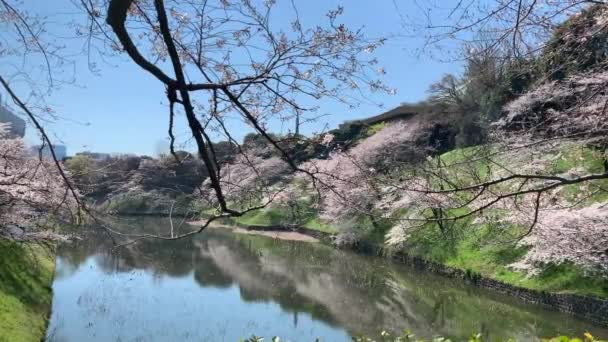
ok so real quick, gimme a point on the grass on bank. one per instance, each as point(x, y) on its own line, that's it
point(26, 275)
point(278, 216)
point(408, 336)
point(472, 252)
point(473, 247)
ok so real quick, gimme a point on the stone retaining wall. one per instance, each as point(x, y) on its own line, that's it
point(592, 309)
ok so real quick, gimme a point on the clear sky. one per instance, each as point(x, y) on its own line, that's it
point(120, 110)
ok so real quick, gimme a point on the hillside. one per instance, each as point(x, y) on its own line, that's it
point(501, 171)
point(566, 250)
point(506, 181)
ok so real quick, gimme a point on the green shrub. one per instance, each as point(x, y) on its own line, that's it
point(409, 336)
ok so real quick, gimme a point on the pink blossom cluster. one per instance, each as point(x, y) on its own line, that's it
point(31, 190)
point(574, 105)
point(348, 178)
point(248, 179)
point(579, 236)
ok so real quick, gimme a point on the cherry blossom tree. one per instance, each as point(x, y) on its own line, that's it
point(575, 235)
point(34, 61)
point(218, 60)
point(249, 181)
point(348, 183)
point(563, 100)
point(32, 192)
point(221, 58)
point(516, 28)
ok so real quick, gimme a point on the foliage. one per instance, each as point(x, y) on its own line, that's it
point(577, 45)
point(587, 337)
point(408, 336)
point(256, 141)
point(469, 103)
point(81, 169)
point(151, 202)
point(225, 151)
point(290, 208)
point(317, 224)
point(254, 338)
point(133, 184)
point(558, 84)
point(375, 128)
point(347, 132)
point(560, 108)
point(269, 217)
point(181, 174)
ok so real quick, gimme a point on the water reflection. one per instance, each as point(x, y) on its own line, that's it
point(221, 286)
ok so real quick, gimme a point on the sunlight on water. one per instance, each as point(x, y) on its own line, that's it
point(221, 286)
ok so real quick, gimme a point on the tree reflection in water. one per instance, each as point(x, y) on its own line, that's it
point(345, 292)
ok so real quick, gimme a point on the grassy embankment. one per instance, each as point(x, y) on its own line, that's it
point(277, 217)
point(473, 246)
point(475, 249)
point(492, 261)
point(26, 275)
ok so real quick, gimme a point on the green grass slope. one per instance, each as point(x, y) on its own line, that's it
point(26, 274)
point(474, 247)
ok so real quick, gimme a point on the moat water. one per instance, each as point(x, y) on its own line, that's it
point(222, 286)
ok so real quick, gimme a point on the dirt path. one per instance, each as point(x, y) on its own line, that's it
point(275, 234)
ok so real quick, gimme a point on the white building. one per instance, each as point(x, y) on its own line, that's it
point(17, 128)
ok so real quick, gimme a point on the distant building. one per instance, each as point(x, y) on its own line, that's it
point(61, 151)
point(402, 112)
point(17, 128)
point(94, 155)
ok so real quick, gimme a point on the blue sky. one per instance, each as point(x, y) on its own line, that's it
point(120, 110)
